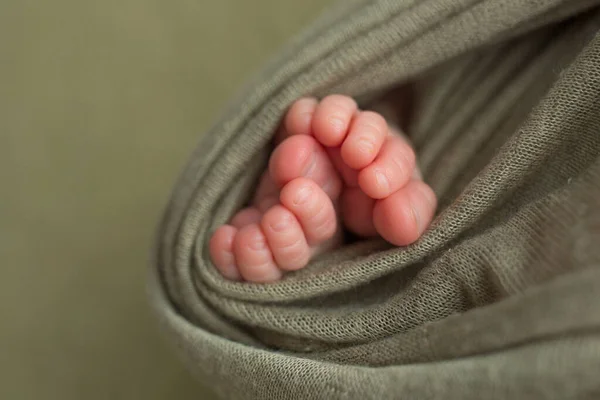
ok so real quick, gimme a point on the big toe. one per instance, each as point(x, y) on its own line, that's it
point(302, 156)
point(402, 217)
point(392, 169)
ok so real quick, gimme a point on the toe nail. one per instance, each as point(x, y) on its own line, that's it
point(281, 224)
point(306, 118)
point(257, 244)
point(310, 166)
point(336, 123)
point(382, 180)
point(366, 146)
point(302, 195)
point(417, 215)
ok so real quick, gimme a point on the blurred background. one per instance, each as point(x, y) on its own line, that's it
point(101, 103)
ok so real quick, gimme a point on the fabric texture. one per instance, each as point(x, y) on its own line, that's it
point(499, 299)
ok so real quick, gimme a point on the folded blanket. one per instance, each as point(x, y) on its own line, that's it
point(499, 299)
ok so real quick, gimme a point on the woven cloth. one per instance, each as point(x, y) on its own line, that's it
point(499, 299)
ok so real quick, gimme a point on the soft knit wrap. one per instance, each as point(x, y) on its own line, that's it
point(499, 299)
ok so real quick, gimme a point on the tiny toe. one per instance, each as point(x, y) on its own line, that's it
point(357, 212)
point(253, 256)
point(221, 252)
point(313, 209)
point(402, 217)
point(302, 156)
point(286, 239)
point(298, 120)
point(392, 169)
point(332, 118)
point(294, 157)
point(247, 216)
point(367, 134)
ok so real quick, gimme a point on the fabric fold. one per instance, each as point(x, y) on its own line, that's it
point(499, 298)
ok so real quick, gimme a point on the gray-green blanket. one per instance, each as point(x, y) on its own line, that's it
point(500, 299)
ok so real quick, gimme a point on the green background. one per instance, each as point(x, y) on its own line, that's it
point(100, 105)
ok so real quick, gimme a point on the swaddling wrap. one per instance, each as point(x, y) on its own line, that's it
point(499, 299)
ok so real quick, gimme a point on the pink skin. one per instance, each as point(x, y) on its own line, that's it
point(333, 165)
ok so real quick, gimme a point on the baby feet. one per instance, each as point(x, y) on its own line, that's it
point(333, 165)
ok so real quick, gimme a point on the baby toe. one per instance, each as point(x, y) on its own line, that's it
point(298, 120)
point(402, 217)
point(332, 118)
point(253, 256)
point(302, 156)
point(286, 238)
point(313, 209)
point(367, 134)
point(221, 252)
point(392, 169)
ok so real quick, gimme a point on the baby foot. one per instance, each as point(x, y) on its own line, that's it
point(331, 159)
point(383, 191)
